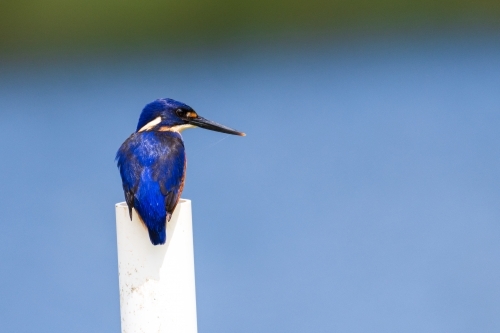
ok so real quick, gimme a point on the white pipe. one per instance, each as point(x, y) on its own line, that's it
point(157, 290)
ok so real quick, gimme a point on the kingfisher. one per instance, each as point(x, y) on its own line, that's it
point(152, 162)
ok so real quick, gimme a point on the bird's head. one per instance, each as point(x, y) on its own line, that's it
point(169, 115)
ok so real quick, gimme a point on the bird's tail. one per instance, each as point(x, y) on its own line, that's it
point(158, 237)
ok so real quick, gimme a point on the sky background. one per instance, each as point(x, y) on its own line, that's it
point(364, 197)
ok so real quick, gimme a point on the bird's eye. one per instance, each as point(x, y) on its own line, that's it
point(186, 114)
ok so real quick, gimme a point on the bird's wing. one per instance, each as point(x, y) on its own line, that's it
point(170, 172)
point(130, 170)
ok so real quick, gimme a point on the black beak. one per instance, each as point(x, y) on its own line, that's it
point(212, 125)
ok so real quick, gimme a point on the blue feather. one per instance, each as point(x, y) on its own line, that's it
point(152, 169)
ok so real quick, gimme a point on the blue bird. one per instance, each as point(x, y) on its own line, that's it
point(152, 162)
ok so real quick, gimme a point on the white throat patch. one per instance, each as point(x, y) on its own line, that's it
point(178, 128)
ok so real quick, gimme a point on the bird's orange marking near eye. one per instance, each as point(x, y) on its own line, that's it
point(191, 114)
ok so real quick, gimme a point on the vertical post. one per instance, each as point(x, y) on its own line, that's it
point(157, 286)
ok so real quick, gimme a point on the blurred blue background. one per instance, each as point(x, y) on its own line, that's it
point(363, 199)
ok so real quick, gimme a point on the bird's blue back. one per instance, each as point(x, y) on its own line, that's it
point(152, 166)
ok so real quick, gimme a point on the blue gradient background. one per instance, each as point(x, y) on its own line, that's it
point(365, 197)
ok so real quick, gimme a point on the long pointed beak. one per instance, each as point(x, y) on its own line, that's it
point(212, 125)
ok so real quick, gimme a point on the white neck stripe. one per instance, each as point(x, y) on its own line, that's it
point(150, 125)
